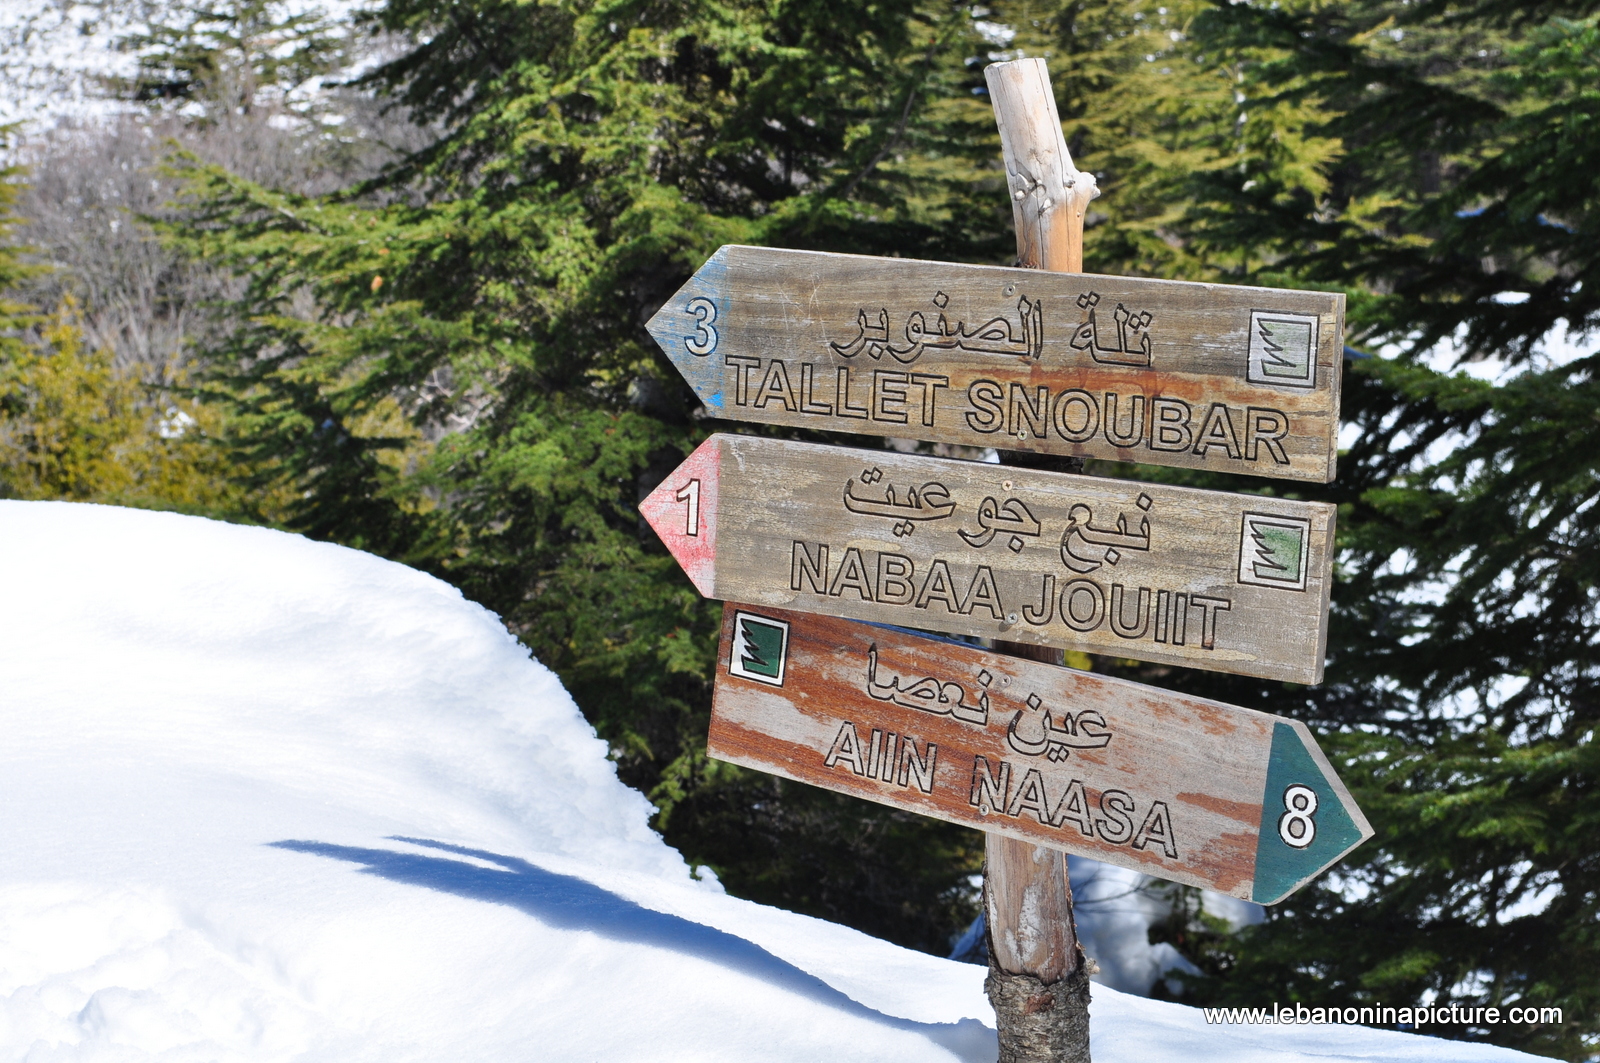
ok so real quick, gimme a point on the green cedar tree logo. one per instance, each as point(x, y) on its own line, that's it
point(760, 648)
point(1272, 551)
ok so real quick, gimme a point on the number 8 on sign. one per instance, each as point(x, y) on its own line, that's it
point(1295, 826)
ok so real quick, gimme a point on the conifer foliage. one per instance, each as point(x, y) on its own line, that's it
point(449, 365)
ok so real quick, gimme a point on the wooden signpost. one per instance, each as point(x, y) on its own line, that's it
point(1050, 360)
point(1038, 981)
point(1178, 787)
point(1233, 583)
point(1208, 376)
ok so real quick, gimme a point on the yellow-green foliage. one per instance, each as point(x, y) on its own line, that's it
point(73, 427)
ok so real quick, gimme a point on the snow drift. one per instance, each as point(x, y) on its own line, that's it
point(268, 799)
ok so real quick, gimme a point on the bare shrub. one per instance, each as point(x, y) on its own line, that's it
point(91, 180)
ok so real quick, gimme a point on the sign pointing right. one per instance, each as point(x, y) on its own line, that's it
point(1179, 787)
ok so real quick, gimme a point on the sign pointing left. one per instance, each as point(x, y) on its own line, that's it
point(1205, 376)
point(1206, 579)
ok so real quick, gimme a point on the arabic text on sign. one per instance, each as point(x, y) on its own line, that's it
point(994, 336)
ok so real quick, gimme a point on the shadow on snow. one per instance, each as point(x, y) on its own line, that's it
point(572, 903)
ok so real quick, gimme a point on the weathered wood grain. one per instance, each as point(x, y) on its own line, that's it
point(1048, 193)
point(1027, 892)
point(1219, 377)
point(1178, 787)
point(1157, 573)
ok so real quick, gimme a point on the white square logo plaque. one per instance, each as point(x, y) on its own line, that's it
point(760, 648)
point(1272, 551)
point(1283, 349)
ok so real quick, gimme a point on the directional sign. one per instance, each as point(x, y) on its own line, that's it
point(1232, 583)
point(1178, 787)
point(1207, 376)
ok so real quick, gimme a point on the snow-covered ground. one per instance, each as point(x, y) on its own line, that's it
point(269, 799)
point(56, 55)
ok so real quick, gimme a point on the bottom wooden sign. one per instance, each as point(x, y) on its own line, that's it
point(1178, 787)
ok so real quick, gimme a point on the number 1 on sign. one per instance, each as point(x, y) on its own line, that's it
point(689, 494)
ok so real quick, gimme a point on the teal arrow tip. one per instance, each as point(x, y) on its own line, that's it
point(1308, 819)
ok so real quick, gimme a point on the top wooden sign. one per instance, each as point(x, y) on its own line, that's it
point(1205, 376)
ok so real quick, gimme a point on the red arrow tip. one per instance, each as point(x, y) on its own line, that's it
point(683, 512)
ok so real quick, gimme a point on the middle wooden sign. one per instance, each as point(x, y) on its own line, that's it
point(1207, 376)
point(1231, 583)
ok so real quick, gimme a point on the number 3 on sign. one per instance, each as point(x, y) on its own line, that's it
point(689, 493)
point(1295, 826)
point(704, 340)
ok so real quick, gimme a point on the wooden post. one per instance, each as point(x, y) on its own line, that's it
point(1038, 977)
point(1048, 194)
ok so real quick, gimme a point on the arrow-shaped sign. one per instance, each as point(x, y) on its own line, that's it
point(1178, 787)
point(1208, 376)
point(1232, 583)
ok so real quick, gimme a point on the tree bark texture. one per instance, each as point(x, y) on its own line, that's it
point(1045, 1022)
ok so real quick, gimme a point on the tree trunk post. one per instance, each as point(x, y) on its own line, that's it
point(1038, 978)
point(1049, 195)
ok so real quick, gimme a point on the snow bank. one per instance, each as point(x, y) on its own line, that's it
point(269, 799)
